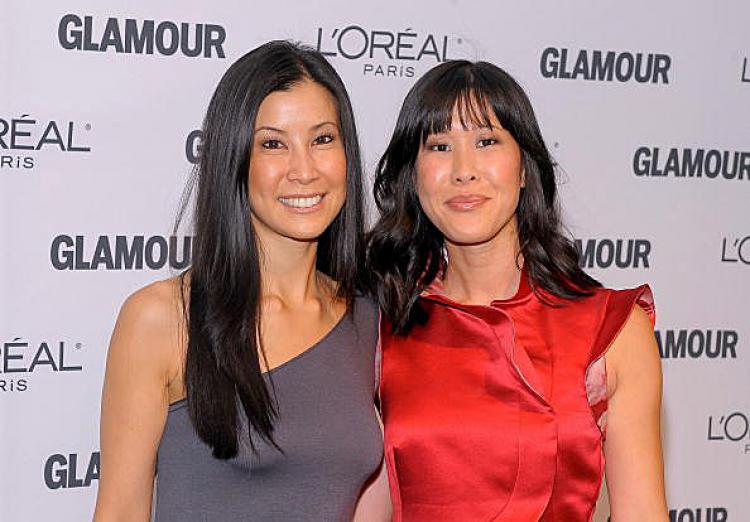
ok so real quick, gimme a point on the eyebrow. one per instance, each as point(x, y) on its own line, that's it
point(281, 131)
point(479, 127)
point(484, 127)
point(323, 124)
point(267, 128)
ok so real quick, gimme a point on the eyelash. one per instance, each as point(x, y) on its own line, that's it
point(273, 143)
point(267, 144)
point(328, 137)
point(485, 142)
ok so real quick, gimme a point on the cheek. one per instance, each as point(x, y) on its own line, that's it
point(263, 175)
point(428, 191)
point(333, 165)
point(504, 172)
point(429, 168)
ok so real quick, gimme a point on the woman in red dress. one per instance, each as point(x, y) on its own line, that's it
point(510, 379)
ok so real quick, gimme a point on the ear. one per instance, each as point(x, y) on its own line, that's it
point(523, 177)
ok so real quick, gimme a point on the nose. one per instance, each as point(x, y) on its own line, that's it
point(464, 168)
point(302, 166)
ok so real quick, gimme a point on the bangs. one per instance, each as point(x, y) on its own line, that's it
point(459, 96)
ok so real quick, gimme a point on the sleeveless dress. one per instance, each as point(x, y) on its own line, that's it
point(327, 429)
point(498, 412)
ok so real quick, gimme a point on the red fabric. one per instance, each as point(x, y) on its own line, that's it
point(486, 410)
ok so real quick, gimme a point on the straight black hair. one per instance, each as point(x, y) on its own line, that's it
point(405, 250)
point(222, 367)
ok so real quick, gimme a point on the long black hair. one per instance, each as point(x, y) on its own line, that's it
point(405, 250)
point(222, 366)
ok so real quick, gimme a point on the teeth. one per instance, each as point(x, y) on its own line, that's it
point(301, 202)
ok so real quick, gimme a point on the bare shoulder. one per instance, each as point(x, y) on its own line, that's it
point(142, 362)
point(154, 307)
point(634, 354)
point(150, 326)
point(636, 337)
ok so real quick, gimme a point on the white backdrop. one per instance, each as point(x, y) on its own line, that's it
point(94, 153)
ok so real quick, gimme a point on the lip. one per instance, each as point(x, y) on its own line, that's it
point(464, 202)
point(303, 210)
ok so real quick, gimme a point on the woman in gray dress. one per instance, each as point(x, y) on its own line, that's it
point(243, 388)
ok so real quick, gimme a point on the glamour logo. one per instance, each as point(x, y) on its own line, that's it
point(697, 344)
point(65, 471)
point(701, 514)
point(20, 359)
point(731, 428)
point(735, 250)
point(622, 253)
point(604, 66)
point(385, 53)
point(21, 137)
point(133, 36)
point(691, 163)
point(120, 252)
point(193, 146)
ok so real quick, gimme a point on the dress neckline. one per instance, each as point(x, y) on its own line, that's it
point(436, 291)
point(289, 362)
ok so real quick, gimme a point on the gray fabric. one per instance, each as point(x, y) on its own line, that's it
point(327, 428)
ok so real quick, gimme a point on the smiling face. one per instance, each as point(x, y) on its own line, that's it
point(469, 181)
point(297, 173)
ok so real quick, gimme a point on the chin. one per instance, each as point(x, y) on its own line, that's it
point(304, 234)
point(469, 237)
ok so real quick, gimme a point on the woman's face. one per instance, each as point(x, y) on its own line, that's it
point(469, 181)
point(297, 174)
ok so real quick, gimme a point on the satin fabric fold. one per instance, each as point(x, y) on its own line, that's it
point(488, 411)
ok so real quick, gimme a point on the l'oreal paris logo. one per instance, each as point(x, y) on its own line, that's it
point(22, 136)
point(731, 428)
point(21, 360)
point(385, 53)
point(735, 250)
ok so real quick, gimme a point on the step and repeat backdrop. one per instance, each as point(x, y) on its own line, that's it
point(645, 105)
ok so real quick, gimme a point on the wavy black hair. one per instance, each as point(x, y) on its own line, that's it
point(222, 367)
point(405, 250)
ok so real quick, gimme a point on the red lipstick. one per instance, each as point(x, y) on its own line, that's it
point(465, 202)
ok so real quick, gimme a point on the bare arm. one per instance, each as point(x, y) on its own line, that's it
point(134, 404)
point(374, 504)
point(633, 450)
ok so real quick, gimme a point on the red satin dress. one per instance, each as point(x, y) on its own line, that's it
point(497, 412)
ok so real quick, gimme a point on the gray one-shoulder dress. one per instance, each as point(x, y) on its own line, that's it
point(327, 428)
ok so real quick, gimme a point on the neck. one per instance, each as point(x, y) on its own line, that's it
point(481, 273)
point(288, 271)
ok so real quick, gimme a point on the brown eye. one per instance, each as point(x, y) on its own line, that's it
point(486, 142)
point(325, 139)
point(438, 147)
point(271, 144)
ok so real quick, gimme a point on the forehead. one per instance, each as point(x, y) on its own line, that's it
point(466, 111)
point(302, 103)
point(474, 116)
